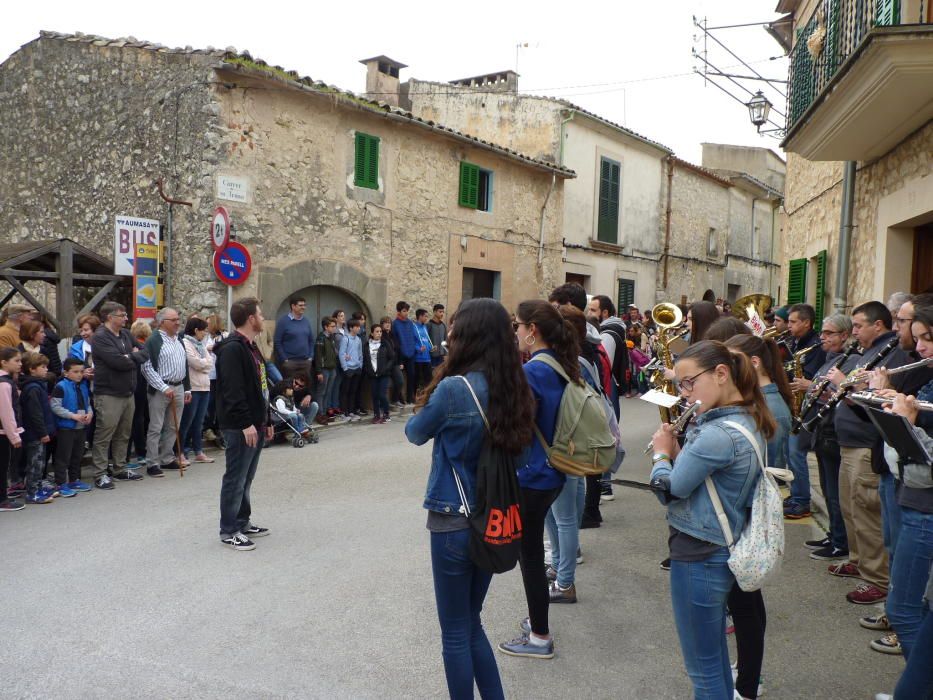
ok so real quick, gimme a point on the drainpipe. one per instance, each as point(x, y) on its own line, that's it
point(752, 237)
point(667, 222)
point(560, 161)
point(168, 242)
point(840, 295)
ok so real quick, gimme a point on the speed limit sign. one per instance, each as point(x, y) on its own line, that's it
point(220, 229)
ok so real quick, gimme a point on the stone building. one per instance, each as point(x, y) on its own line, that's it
point(354, 202)
point(860, 105)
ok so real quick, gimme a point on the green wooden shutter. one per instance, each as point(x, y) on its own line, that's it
point(887, 13)
point(366, 161)
point(607, 228)
point(469, 185)
point(797, 281)
point(819, 304)
point(626, 295)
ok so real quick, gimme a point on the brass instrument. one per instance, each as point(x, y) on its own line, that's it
point(868, 397)
point(666, 317)
point(775, 335)
point(750, 309)
point(681, 422)
point(797, 368)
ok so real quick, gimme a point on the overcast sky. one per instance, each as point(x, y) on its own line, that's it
point(630, 62)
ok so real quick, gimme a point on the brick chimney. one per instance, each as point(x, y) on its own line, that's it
point(382, 83)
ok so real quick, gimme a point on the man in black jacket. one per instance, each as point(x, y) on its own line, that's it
point(116, 358)
point(242, 412)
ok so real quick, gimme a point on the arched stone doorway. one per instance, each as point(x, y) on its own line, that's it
point(322, 301)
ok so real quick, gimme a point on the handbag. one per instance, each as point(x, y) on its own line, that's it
point(495, 522)
point(756, 556)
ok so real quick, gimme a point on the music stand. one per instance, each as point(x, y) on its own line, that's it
point(899, 434)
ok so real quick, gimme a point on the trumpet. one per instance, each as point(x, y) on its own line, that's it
point(872, 399)
point(681, 422)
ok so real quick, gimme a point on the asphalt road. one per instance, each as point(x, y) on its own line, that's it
point(128, 594)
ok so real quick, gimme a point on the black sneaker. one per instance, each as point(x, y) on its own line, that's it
point(818, 544)
point(255, 531)
point(155, 472)
point(171, 465)
point(128, 476)
point(666, 564)
point(829, 554)
point(10, 505)
point(104, 482)
point(239, 542)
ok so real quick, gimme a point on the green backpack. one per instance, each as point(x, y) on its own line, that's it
point(583, 444)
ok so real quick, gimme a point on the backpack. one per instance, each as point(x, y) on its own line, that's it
point(620, 363)
point(583, 444)
point(495, 522)
point(756, 556)
point(612, 420)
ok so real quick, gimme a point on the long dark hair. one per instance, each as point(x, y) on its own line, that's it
point(703, 314)
point(482, 340)
point(578, 320)
point(709, 354)
point(770, 355)
point(553, 329)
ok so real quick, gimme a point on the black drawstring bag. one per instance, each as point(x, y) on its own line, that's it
point(495, 522)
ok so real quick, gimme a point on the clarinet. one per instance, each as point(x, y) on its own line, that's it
point(846, 390)
point(818, 389)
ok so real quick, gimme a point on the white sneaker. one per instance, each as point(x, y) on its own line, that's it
point(735, 674)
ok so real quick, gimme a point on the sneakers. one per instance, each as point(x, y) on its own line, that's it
point(11, 504)
point(40, 496)
point(65, 492)
point(377, 420)
point(795, 511)
point(155, 472)
point(735, 675)
point(16, 490)
point(210, 435)
point(255, 531)
point(875, 622)
point(51, 488)
point(817, 544)
point(563, 595)
point(526, 626)
point(551, 573)
point(202, 458)
point(845, 569)
point(606, 493)
point(523, 646)
point(666, 564)
point(579, 556)
point(78, 485)
point(104, 482)
point(866, 594)
point(128, 476)
point(829, 553)
point(386, 419)
point(888, 644)
point(171, 465)
point(239, 542)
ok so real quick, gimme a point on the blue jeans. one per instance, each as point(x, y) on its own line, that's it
point(797, 446)
point(890, 514)
point(699, 590)
point(242, 461)
point(829, 460)
point(192, 421)
point(910, 571)
point(336, 382)
point(380, 389)
point(309, 412)
point(563, 528)
point(459, 589)
point(917, 679)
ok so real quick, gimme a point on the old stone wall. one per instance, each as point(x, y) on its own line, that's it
point(87, 126)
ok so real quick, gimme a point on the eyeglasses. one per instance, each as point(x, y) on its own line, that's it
point(825, 332)
point(687, 383)
point(516, 324)
point(900, 320)
point(122, 314)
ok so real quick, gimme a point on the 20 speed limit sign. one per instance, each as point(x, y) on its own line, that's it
point(220, 229)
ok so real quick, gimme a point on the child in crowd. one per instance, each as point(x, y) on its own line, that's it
point(283, 398)
point(10, 422)
point(351, 362)
point(398, 384)
point(378, 363)
point(38, 427)
point(71, 404)
point(423, 348)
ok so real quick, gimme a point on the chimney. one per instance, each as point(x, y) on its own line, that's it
point(382, 81)
point(503, 81)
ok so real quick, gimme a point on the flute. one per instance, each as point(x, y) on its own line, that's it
point(681, 422)
point(863, 376)
point(873, 399)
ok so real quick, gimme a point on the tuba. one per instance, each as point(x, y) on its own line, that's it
point(667, 317)
point(750, 309)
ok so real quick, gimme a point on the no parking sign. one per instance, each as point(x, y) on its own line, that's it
point(233, 264)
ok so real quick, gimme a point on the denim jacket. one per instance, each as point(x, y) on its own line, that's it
point(777, 446)
point(713, 449)
point(451, 418)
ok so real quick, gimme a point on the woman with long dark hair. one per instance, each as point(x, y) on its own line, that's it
point(700, 317)
point(482, 355)
point(541, 330)
point(732, 416)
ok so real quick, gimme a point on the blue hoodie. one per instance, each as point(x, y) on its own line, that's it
point(422, 340)
point(350, 345)
point(404, 331)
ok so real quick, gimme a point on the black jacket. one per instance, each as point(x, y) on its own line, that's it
point(38, 419)
point(385, 360)
point(115, 362)
point(50, 350)
point(240, 399)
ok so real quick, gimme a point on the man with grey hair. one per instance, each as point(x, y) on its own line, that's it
point(116, 358)
point(15, 315)
point(896, 300)
point(166, 372)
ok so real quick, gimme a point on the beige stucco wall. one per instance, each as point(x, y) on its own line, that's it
point(893, 194)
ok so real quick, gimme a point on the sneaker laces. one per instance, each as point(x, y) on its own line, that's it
point(890, 640)
point(862, 587)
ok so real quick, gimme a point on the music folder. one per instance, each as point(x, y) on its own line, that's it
point(899, 434)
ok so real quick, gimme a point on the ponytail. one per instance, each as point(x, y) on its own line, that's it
point(557, 332)
point(767, 351)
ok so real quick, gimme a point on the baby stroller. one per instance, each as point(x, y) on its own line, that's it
point(282, 428)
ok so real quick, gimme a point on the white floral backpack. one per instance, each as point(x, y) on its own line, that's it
point(756, 556)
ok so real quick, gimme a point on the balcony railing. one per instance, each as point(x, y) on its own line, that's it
point(831, 35)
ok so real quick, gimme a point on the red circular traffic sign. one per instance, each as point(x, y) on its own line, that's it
point(220, 229)
point(233, 264)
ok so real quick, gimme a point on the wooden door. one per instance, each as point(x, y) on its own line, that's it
point(923, 260)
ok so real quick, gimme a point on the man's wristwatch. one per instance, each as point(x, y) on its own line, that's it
point(659, 457)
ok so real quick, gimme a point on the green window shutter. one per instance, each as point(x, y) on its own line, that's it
point(626, 295)
point(607, 227)
point(820, 301)
point(469, 185)
point(366, 161)
point(797, 281)
point(887, 13)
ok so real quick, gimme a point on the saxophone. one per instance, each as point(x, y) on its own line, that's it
point(798, 374)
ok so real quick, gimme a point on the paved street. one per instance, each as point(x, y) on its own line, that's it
point(128, 594)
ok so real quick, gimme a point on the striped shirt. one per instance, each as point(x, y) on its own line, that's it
point(172, 364)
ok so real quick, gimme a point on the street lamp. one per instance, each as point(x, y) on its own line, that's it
point(758, 109)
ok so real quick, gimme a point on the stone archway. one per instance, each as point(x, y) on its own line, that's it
point(277, 283)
